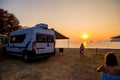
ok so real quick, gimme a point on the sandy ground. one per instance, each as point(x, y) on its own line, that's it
point(67, 65)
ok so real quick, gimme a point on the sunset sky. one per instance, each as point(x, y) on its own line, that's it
point(99, 19)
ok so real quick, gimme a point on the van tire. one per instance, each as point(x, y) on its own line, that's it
point(3, 51)
point(46, 58)
point(25, 58)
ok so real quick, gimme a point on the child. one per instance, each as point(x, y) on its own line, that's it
point(110, 69)
point(82, 49)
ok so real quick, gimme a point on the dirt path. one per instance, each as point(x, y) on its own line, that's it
point(63, 66)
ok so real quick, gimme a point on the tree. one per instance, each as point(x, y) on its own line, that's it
point(8, 22)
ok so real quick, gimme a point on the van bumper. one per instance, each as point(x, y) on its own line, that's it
point(33, 54)
point(45, 55)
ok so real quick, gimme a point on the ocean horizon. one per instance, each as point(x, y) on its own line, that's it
point(96, 44)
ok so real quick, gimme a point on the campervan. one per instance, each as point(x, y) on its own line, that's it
point(32, 42)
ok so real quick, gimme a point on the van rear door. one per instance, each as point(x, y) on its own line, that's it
point(50, 43)
point(44, 43)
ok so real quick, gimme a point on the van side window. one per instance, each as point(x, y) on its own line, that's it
point(17, 38)
point(50, 39)
point(41, 38)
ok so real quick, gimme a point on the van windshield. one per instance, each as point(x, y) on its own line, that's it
point(44, 38)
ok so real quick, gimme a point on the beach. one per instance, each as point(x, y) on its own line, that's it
point(66, 65)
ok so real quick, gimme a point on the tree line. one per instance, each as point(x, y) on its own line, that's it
point(8, 22)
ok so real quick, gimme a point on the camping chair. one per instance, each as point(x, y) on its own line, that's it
point(109, 77)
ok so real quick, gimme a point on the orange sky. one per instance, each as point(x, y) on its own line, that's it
point(100, 19)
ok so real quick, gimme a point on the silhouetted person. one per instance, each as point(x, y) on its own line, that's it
point(82, 49)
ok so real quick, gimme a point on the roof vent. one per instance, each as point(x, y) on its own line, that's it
point(41, 25)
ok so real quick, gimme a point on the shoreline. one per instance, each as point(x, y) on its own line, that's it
point(93, 48)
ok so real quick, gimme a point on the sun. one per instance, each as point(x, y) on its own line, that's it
point(85, 36)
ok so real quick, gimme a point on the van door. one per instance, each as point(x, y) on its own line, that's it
point(41, 43)
point(44, 43)
point(50, 43)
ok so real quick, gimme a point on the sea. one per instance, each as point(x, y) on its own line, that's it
point(96, 44)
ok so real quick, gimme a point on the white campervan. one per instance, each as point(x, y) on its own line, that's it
point(32, 42)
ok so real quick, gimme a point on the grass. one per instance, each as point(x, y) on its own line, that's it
point(68, 65)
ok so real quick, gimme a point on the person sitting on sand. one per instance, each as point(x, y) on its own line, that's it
point(110, 69)
point(82, 49)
